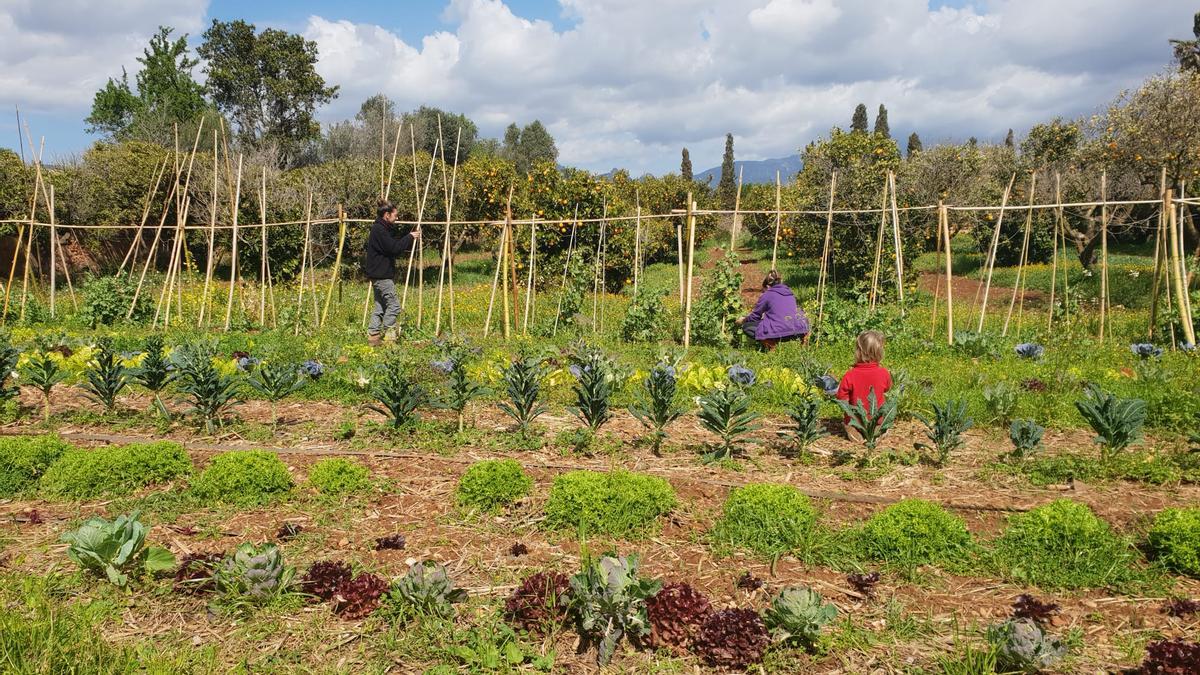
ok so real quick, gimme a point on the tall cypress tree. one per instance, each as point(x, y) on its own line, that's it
point(859, 121)
point(727, 188)
point(685, 166)
point(914, 144)
point(881, 123)
point(1008, 140)
point(973, 142)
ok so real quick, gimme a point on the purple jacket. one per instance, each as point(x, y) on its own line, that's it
point(777, 314)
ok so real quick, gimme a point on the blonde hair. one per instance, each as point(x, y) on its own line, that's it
point(868, 348)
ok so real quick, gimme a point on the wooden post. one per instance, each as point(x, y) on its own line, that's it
point(991, 258)
point(145, 214)
point(737, 206)
point(1058, 223)
point(12, 272)
point(1019, 285)
point(417, 243)
point(823, 277)
point(262, 268)
point(598, 273)
point(212, 236)
point(162, 221)
point(487, 324)
point(1189, 332)
point(687, 314)
point(937, 291)
point(1159, 240)
point(512, 265)
point(1103, 252)
point(446, 263)
point(304, 261)
point(529, 278)
point(637, 241)
point(899, 244)
point(778, 220)
point(387, 191)
point(945, 221)
point(233, 246)
point(53, 248)
point(679, 251)
point(883, 213)
point(1187, 275)
point(337, 263)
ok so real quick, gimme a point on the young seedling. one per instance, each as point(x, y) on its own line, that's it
point(945, 428)
point(523, 386)
point(106, 377)
point(656, 408)
point(43, 373)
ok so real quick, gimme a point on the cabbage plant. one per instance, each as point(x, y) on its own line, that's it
point(116, 548)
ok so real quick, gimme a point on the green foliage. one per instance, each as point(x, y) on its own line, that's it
point(114, 469)
point(715, 314)
point(426, 589)
point(211, 392)
point(806, 427)
point(975, 345)
point(575, 285)
point(1000, 400)
point(915, 532)
point(594, 384)
point(946, 428)
point(769, 519)
point(1021, 646)
point(106, 377)
point(276, 381)
point(726, 413)
point(1174, 539)
point(106, 302)
point(339, 477)
point(1026, 437)
point(617, 503)
point(398, 395)
point(9, 356)
point(254, 573)
point(873, 420)
point(643, 320)
point(244, 478)
point(24, 459)
point(608, 599)
point(155, 371)
point(1063, 545)
point(461, 389)
point(492, 485)
point(529, 147)
point(797, 615)
point(523, 388)
point(42, 372)
point(655, 408)
point(1116, 421)
point(116, 549)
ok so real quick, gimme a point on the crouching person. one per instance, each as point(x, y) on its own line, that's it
point(776, 317)
point(379, 265)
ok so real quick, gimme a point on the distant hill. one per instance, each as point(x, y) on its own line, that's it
point(756, 171)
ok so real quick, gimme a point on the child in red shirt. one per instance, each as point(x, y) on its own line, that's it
point(865, 377)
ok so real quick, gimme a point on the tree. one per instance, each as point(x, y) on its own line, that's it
point(1052, 145)
point(914, 144)
point(425, 122)
point(859, 121)
point(267, 83)
point(113, 107)
point(1008, 139)
point(685, 166)
point(1187, 52)
point(881, 123)
point(727, 187)
point(529, 146)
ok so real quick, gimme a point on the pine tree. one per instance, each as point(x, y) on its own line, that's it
point(914, 144)
point(685, 166)
point(881, 123)
point(859, 121)
point(727, 188)
point(1008, 140)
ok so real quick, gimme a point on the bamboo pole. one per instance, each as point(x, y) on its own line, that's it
point(449, 193)
point(1019, 286)
point(233, 247)
point(991, 259)
point(53, 249)
point(137, 237)
point(529, 277)
point(12, 272)
point(304, 255)
point(1103, 252)
point(487, 324)
point(1058, 224)
point(737, 205)
point(1159, 240)
point(212, 238)
point(512, 264)
point(778, 222)
point(412, 251)
point(823, 276)
point(899, 244)
point(37, 182)
point(883, 215)
point(945, 220)
point(566, 266)
point(262, 266)
point(597, 274)
point(337, 263)
point(637, 243)
point(679, 252)
point(1185, 318)
point(395, 149)
point(687, 316)
point(937, 290)
point(162, 221)
point(1187, 275)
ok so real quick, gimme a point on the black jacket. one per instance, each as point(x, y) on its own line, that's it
point(382, 249)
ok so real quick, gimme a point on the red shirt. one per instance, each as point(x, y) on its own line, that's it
point(862, 378)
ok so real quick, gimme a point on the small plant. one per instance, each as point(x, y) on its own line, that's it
point(1026, 437)
point(491, 485)
point(1174, 539)
point(518, 549)
point(25, 459)
point(1030, 350)
point(806, 427)
point(617, 503)
point(1116, 421)
point(608, 599)
point(1022, 646)
point(748, 582)
point(155, 371)
point(643, 316)
point(460, 389)
point(864, 584)
point(244, 478)
point(1063, 545)
point(339, 477)
point(871, 421)
point(726, 413)
point(357, 598)
point(593, 388)
point(106, 377)
point(392, 542)
point(288, 531)
point(195, 573)
point(254, 573)
point(211, 392)
point(324, 578)
point(1170, 657)
point(398, 395)
point(1000, 400)
point(427, 589)
point(797, 615)
point(1145, 350)
point(656, 408)
point(945, 428)
point(523, 387)
point(9, 357)
point(974, 344)
point(275, 382)
point(1181, 607)
point(539, 603)
point(1028, 607)
point(914, 532)
point(43, 373)
point(675, 614)
point(107, 300)
point(732, 638)
point(116, 549)
point(768, 519)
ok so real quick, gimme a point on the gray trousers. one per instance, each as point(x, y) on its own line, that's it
point(387, 307)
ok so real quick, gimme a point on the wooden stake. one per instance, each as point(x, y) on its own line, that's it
point(1103, 252)
point(150, 254)
point(417, 243)
point(146, 213)
point(53, 249)
point(637, 240)
point(1058, 223)
point(991, 259)
point(212, 238)
point(899, 244)
point(883, 214)
point(304, 261)
point(937, 291)
point(679, 253)
point(1189, 331)
point(823, 277)
point(337, 263)
point(597, 273)
point(395, 149)
point(233, 256)
point(566, 266)
point(737, 205)
point(945, 220)
point(687, 312)
point(262, 268)
point(12, 272)
point(778, 221)
point(487, 324)
point(529, 277)
point(448, 189)
point(512, 263)
point(1019, 286)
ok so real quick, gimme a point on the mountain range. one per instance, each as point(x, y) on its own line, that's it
point(756, 171)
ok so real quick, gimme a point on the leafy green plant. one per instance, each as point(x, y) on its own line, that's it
point(114, 469)
point(523, 388)
point(106, 301)
point(254, 573)
point(726, 413)
point(643, 316)
point(768, 519)
point(155, 371)
point(339, 477)
point(9, 357)
point(1116, 421)
point(275, 382)
point(460, 390)
point(116, 549)
point(914, 532)
point(797, 615)
point(399, 395)
point(211, 392)
point(1000, 400)
point(24, 459)
point(871, 421)
point(945, 428)
point(43, 373)
point(974, 344)
point(1174, 539)
point(656, 408)
point(491, 485)
point(1026, 437)
point(1063, 545)
point(426, 589)
point(608, 599)
point(805, 428)
point(106, 377)
point(717, 309)
point(617, 503)
point(244, 478)
point(1022, 646)
point(593, 388)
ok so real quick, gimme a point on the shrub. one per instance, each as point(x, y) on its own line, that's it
point(914, 532)
point(1175, 540)
point(768, 519)
point(106, 301)
point(114, 469)
point(23, 460)
point(244, 478)
point(338, 476)
point(1063, 545)
point(618, 503)
point(492, 485)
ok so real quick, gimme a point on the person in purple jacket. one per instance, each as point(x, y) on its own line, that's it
point(776, 317)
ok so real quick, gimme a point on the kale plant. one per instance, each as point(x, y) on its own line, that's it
point(116, 549)
point(797, 615)
point(805, 427)
point(9, 356)
point(656, 409)
point(106, 377)
point(726, 413)
point(1026, 437)
point(275, 382)
point(945, 428)
point(43, 373)
point(608, 599)
point(872, 420)
point(398, 395)
point(523, 387)
point(460, 389)
point(155, 371)
point(1116, 421)
point(211, 392)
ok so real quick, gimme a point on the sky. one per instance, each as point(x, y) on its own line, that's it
point(628, 83)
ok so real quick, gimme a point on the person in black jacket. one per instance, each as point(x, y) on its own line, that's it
point(379, 265)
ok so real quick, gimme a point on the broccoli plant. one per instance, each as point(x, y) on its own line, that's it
point(43, 373)
point(656, 408)
point(1022, 646)
point(805, 427)
point(872, 420)
point(275, 382)
point(523, 387)
point(398, 395)
point(945, 428)
point(609, 602)
point(1116, 421)
point(1026, 437)
point(106, 377)
point(797, 615)
point(116, 549)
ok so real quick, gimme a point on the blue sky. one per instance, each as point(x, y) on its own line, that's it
point(627, 83)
